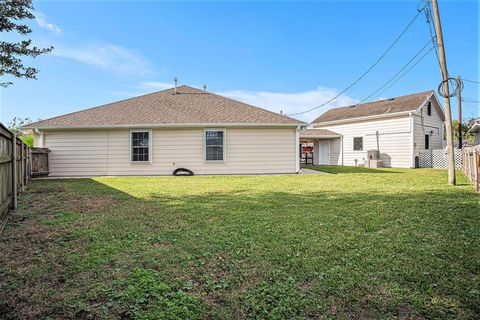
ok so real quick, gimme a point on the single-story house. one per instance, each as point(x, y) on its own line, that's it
point(156, 133)
point(475, 128)
point(397, 127)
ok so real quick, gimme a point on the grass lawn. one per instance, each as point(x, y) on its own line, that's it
point(387, 243)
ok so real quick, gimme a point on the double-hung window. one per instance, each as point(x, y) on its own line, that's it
point(357, 143)
point(140, 146)
point(215, 145)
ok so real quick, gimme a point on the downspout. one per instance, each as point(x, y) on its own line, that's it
point(41, 139)
point(297, 149)
point(341, 142)
point(412, 130)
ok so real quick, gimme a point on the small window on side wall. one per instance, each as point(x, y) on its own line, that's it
point(429, 108)
point(214, 145)
point(427, 141)
point(358, 143)
point(140, 146)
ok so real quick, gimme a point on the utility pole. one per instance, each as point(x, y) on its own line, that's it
point(446, 94)
point(459, 86)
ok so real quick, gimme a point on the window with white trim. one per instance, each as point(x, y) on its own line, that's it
point(140, 146)
point(214, 145)
point(429, 108)
point(357, 143)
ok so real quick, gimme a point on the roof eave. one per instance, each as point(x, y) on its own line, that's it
point(378, 116)
point(320, 136)
point(167, 125)
point(475, 128)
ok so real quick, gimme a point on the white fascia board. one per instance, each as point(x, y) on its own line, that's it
point(379, 116)
point(321, 136)
point(174, 125)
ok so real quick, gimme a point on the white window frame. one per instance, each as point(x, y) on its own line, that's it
point(224, 130)
point(353, 143)
point(150, 139)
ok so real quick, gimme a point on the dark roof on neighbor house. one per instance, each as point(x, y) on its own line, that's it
point(188, 106)
point(406, 103)
point(317, 133)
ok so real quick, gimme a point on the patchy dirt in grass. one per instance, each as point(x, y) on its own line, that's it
point(92, 204)
point(35, 276)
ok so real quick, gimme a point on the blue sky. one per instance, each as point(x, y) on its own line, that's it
point(288, 56)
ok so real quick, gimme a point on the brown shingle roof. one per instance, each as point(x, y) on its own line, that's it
point(387, 106)
point(317, 133)
point(189, 106)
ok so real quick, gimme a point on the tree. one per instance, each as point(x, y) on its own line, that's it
point(15, 126)
point(11, 53)
point(465, 126)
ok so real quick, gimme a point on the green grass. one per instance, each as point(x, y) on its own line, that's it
point(347, 169)
point(400, 244)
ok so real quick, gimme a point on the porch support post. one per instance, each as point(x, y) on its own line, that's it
point(316, 152)
point(297, 149)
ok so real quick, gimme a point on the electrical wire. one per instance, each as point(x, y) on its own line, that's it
point(405, 73)
point(458, 87)
point(472, 81)
point(470, 100)
point(433, 35)
point(370, 68)
point(396, 74)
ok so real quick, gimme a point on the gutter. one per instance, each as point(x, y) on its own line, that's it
point(321, 136)
point(173, 125)
point(387, 115)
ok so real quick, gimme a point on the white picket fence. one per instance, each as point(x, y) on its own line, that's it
point(437, 158)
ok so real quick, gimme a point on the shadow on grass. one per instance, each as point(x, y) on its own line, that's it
point(348, 169)
point(245, 251)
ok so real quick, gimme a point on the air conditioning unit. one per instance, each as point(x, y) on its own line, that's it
point(373, 154)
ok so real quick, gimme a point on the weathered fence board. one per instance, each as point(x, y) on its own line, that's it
point(471, 164)
point(14, 169)
point(39, 158)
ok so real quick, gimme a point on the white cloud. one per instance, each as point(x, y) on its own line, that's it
point(292, 102)
point(106, 56)
point(42, 22)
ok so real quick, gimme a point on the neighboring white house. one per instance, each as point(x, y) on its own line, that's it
point(398, 127)
point(182, 127)
point(475, 128)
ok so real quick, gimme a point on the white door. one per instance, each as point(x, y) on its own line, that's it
point(324, 152)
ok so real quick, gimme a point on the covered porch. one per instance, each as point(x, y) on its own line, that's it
point(319, 147)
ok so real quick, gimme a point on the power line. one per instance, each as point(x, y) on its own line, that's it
point(396, 74)
point(431, 28)
point(470, 100)
point(371, 67)
point(403, 74)
point(472, 81)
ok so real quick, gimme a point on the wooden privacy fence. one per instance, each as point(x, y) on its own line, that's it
point(39, 161)
point(14, 169)
point(471, 164)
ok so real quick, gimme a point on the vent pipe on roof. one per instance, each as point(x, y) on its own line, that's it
point(205, 88)
point(175, 80)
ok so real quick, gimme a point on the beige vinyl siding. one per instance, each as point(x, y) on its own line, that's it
point(395, 141)
point(248, 151)
point(425, 124)
point(77, 153)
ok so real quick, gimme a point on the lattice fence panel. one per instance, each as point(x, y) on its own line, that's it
point(437, 158)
